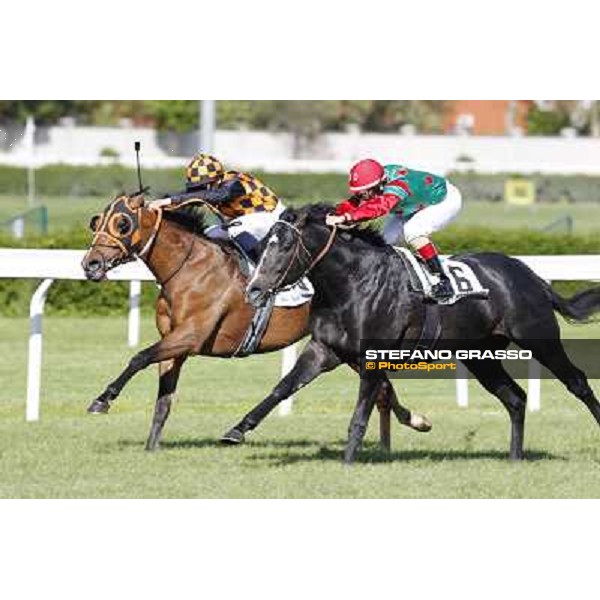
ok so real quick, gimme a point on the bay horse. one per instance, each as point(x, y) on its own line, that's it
point(201, 308)
point(362, 291)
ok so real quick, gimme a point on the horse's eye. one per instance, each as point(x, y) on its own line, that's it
point(123, 226)
point(95, 223)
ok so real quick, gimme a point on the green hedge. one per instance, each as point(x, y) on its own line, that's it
point(73, 297)
point(105, 181)
point(549, 188)
point(68, 297)
point(456, 239)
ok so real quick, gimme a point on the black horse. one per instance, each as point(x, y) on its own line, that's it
point(363, 291)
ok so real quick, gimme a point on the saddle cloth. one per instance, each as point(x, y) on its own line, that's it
point(300, 293)
point(296, 295)
point(464, 281)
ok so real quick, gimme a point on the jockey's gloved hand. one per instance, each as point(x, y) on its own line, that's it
point(160, 203)
point(333, 220)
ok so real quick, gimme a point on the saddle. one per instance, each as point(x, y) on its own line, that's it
point(465, 282)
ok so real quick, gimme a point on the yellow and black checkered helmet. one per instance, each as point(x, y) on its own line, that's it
point(203, 168)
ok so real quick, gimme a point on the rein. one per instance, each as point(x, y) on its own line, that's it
point(176, 271)
point(300, 245)
point(191, 248)
point(152, 238)
point(204, 203)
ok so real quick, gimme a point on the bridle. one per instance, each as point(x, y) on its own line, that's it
point(128, 244)
point(312, 262)
point(104, 231)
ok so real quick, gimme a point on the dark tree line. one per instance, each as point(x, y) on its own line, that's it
point(304, 118)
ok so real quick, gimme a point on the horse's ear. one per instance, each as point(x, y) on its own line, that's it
point(136, 201)
point(94, 222)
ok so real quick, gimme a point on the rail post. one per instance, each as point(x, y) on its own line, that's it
point(133, 334)
point(288, 360)
point(34, 367)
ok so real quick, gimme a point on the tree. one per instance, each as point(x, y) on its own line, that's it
point(174, 115)
point(305, 119)
point(389, 115)
point(43, 111)
point(549, 117)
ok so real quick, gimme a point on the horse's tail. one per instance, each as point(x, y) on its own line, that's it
point(580, 307)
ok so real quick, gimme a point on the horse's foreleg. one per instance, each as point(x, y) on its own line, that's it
point(360, 419)
point(169, 375)
point(383, 400)
point(173, 345)
point(314, 360)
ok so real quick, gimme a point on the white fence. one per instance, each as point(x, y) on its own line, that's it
point(331, 151)
point(49, 265)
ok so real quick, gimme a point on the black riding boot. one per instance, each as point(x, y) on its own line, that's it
point(443, 290)
point(249, 244)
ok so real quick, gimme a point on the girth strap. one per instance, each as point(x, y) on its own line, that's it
point(431, 329)
point(255, 332)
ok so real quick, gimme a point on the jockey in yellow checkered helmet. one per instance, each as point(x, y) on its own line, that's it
point(248, 207)
point(203, 170)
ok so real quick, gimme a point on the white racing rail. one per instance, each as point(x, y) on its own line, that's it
point(61, 264)
point(49, 265)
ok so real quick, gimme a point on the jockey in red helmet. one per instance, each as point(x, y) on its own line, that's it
point(420, 203)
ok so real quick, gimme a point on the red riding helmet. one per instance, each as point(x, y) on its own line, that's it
point(365, 174)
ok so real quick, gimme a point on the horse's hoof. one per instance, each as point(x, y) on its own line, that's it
point(233, 437)
point(98, 407)
point(420, 423)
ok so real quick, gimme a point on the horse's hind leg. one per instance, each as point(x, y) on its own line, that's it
point(387, 401)
point(384, 406)
point(387, 398)
point(494, 378)
point(169, 375)
point(407, 417)
point(552, 355)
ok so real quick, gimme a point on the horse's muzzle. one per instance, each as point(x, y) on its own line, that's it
point(95, 270)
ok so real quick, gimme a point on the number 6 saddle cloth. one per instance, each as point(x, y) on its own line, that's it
point(464, 281)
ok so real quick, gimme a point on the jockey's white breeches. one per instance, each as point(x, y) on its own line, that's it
point(427, 221)
point(257, 224)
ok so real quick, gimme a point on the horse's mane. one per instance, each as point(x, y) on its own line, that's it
point(316, 213)
point(193, 220)
point(189, 218)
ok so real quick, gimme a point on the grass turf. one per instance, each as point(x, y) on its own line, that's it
point(68, 213)
point(71, 454)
